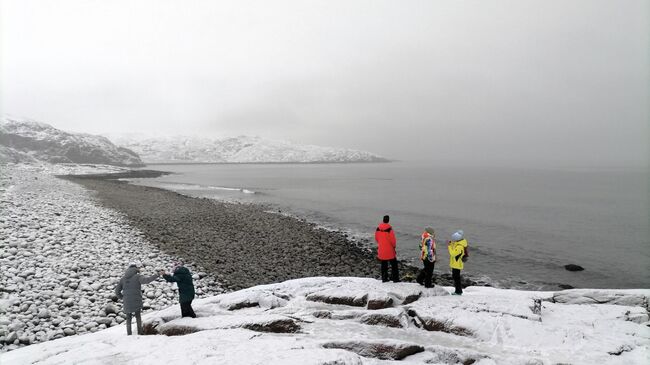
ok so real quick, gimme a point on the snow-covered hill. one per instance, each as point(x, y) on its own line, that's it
point(242, 149)
point(364, 321)
point(24, 140)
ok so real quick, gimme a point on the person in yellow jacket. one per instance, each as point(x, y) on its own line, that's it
point(457, 251)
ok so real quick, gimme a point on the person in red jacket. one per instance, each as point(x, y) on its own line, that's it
point(386, 244)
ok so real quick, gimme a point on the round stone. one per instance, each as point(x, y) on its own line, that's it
point(110, 308)
point(44, 313)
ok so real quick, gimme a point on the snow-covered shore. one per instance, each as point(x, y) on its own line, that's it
point(363, 321)
point(62, 254)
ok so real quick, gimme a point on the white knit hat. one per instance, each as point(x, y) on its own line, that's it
point(457, 236)
point(136, 263)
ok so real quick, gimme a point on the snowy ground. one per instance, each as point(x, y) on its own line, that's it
point(363, 321)
point(62, 254)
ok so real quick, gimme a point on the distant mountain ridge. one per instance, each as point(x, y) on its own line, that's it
point(25, 140)
point(241, 149)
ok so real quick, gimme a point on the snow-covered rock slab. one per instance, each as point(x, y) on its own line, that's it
point(259, 323)
point(385, 350)
point(483, 326)
point(630, 298)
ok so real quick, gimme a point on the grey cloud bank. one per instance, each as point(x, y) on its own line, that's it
point(484, 82)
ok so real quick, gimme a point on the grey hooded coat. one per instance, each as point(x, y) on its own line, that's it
point(130, 289)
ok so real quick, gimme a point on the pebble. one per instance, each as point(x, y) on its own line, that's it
point(44, 313)
point(110, 308)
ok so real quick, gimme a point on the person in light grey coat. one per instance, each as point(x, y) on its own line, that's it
point(130, 289)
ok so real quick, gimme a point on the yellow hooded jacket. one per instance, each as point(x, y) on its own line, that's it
point(456, 253)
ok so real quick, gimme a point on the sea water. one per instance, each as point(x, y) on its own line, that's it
point(523, 224)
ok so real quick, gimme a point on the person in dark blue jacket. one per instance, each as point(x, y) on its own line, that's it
point(183, 278)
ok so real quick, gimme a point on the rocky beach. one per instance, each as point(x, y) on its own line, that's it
point(62, 254)
point(69, 231)
point(243, 245)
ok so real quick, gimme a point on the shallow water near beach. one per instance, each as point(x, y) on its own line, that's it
point(523, 225)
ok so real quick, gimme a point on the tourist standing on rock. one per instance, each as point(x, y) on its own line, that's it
point(457, 251)
point(183, 278)
point(130, 289)
point(428, 257)
point(386, 253)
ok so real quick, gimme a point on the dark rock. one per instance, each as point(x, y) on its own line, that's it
point(110, 308)
point(573, 267)
point(343, 300)
point(380, 303)
point(431, 324)
point(411, 298)
point(175, 330)
point(382, 320)
point(243, 304)
point(150, 328)
point(322, 314)
point(277, 326)
point(565, 286)
point(379, 350)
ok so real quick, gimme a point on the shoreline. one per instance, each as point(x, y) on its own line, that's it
point(240, 244)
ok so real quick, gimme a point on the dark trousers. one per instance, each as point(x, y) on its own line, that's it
point(138, 321)
point(455, 273)
point(425, 277)
point(186, 310)
point(393, 270)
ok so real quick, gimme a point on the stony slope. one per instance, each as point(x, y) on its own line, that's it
point(23, 140)
point(62, 254)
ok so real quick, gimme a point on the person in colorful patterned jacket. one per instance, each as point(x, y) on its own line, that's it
point(428, 257)
point(457, 250)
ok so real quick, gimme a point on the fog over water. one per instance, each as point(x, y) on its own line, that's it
point(542, 83)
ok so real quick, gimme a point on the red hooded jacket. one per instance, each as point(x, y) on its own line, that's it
point(386, 242)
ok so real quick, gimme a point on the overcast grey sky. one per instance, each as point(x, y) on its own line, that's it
point(539, 82)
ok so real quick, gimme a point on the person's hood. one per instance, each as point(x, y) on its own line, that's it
point(131, 271)
point(462, 242)
point(182, 271)
point(384, 226)
point(457, 236)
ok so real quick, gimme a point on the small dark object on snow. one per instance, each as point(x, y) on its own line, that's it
point(573, 267)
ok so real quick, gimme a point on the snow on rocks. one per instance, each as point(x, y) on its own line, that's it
point(278, 324)
point(385, 350)
point(62, 255)
point(595, 296)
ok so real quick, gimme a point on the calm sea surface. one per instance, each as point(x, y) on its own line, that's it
point(523, 225)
